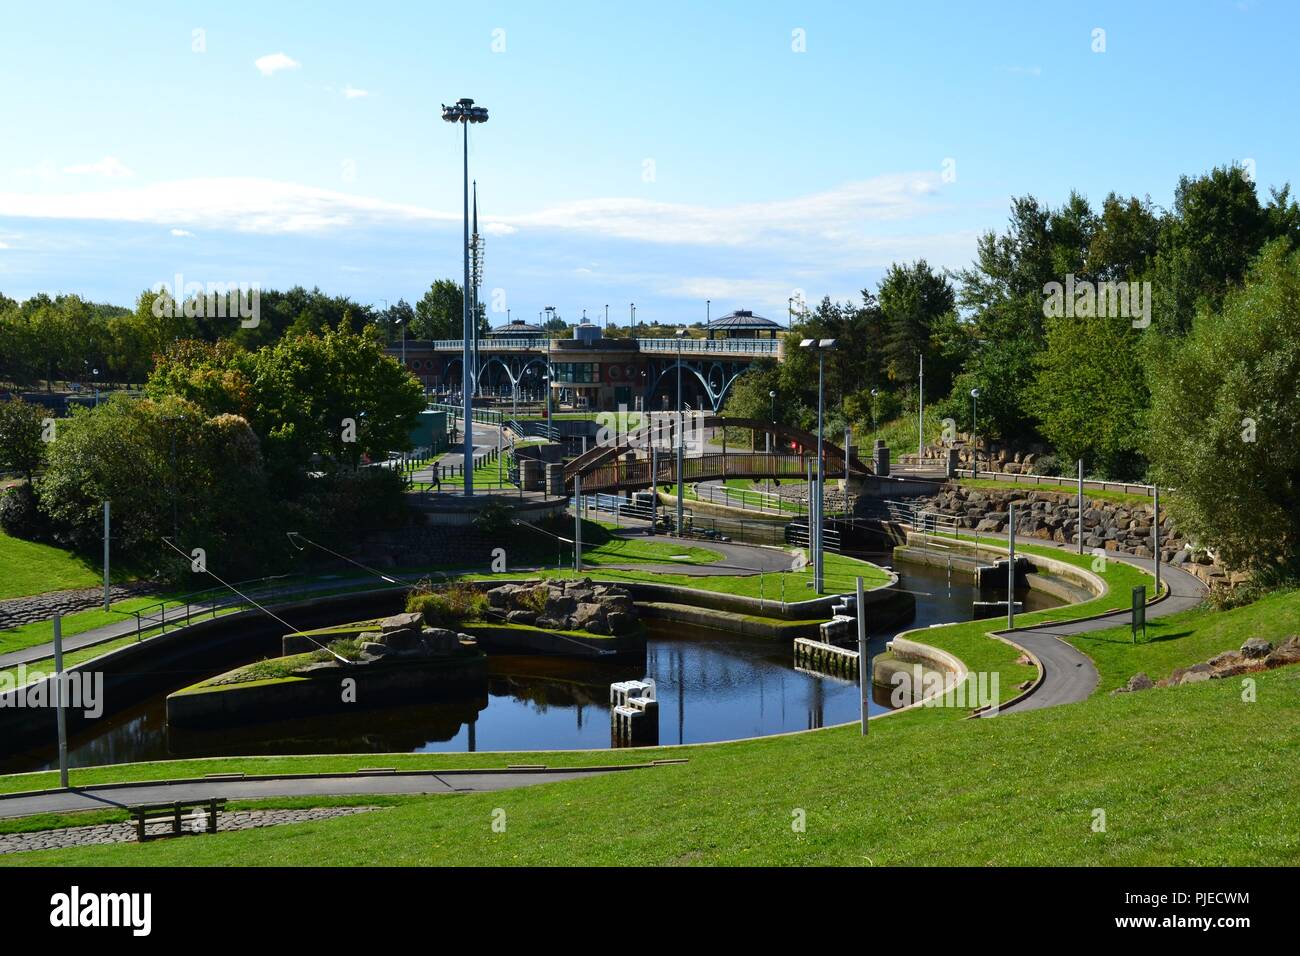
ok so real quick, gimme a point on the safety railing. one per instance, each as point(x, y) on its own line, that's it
point(1126, 487)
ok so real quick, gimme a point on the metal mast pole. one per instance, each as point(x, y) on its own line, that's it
point(467, 388)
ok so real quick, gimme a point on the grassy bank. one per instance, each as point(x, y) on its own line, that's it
point(1017, 790)
point(1172, 769)
point(31, 568)
point(1187, 638)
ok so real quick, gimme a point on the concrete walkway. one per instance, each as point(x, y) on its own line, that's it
point(738, 559)
point(197, 612)
point(324, 785)
point(1068, 674)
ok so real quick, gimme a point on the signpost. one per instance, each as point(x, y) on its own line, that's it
point(1140, 612)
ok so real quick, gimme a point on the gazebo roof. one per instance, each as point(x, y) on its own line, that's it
point(517, 328)
point(742, 319)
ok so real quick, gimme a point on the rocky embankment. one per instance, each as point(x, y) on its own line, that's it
point(1257, 654)
point(567, 606)
point(42, 607)
point(1053, 516)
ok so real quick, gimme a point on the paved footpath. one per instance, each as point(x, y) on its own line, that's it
point(325, 785)
point(1068, 674)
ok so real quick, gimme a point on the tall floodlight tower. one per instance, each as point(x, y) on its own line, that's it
point(465, 112)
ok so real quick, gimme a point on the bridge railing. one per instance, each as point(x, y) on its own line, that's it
point(621, 473)
point(686, 346)
point(710, 346)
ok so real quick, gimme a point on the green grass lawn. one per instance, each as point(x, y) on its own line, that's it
point(1172, 769)
point(841, 576)
point(31, 568)
point(1187, 638)
point(1020, 789)
point(42, 632)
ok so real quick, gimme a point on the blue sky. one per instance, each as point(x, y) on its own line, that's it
point(659, 153)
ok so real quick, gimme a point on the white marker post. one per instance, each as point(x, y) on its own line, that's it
point(1155, 537)
point(864, 668)
point(577, 522)
point(106, 586)
point(1011, 567)
point(1078, 530)
point(59, 699)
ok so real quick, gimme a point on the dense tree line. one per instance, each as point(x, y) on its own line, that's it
point(1078, 374)
point(230, 449)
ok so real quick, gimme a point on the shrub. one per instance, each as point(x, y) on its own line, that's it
point(1048, 465)
point(20, 514)
point(346, 647)
point(493, 518)
point(451, 606)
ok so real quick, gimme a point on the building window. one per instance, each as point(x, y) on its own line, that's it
point(580, 373)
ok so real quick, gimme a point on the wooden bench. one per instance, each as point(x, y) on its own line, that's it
point(176, 812)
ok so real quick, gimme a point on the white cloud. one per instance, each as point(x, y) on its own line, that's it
point(274, 63)
point(352, 93)
point(110, 167)
point(840, 214)
point(854, 226)
point(5, 245)
point(181, 233)
point(234, 204)
point(1025, 70)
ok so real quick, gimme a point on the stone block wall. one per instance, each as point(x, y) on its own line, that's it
point(1053, 516)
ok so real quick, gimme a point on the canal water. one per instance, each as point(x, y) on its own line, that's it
point(711, 686)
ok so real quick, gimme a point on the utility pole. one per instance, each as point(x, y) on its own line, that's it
point(681, 447)
point(577, 522)
point(1079, 527)
point(1011, 567)
point(106, 570)
point(920, 410)
point(59, 700)
point(1155, 537)
point(864, 664)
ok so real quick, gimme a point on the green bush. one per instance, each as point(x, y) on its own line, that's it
point(455, 604)
point(20, 514)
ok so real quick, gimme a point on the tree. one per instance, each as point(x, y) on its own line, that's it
point(1225, 420)
point(1217, 228)
point(21, 445)
point(335, 396)
point(913, 299)
point(440, 312)
point(170, 471)
point(396, 318)
point(1090, 394)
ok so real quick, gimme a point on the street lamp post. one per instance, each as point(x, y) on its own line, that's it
point(465, 112)
point(974, 454)
point(772, 398)
point(821, 347)
point(681, 447)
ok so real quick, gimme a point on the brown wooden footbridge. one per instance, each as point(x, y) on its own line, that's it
point(625, 464)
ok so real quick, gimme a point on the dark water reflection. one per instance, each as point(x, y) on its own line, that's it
point(711, 686)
